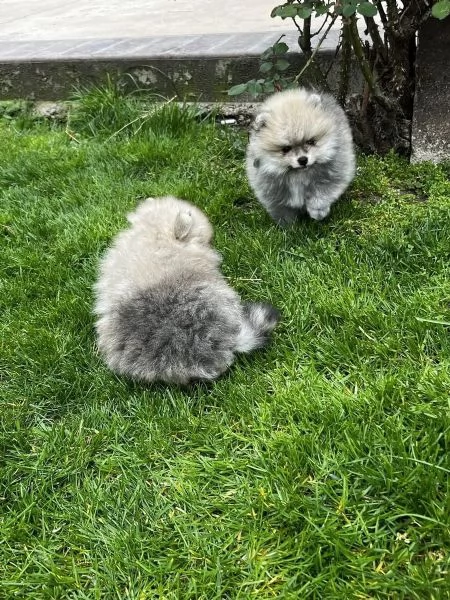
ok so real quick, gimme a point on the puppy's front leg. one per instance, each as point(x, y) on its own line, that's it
point(282, 215)
point(318, 207)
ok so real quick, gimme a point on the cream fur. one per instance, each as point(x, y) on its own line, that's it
point(300, 155)
point(164, 310)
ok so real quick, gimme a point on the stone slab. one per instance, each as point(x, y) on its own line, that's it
point(431, 120)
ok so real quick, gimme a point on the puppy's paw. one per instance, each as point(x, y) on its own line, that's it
point(318, 214)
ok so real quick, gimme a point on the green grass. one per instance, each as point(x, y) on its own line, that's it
point(317, 468)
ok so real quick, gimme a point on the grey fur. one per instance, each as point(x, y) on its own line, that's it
point(165, 312)
point(289, 120)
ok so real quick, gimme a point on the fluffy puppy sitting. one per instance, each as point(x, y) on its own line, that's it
point(300, 154)
point(165, 312)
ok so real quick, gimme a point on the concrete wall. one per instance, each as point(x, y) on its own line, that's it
point(431, 120)
point(204, 78)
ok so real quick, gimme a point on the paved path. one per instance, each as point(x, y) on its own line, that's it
point(43, 20)
point(49, 46)
point(98, 29)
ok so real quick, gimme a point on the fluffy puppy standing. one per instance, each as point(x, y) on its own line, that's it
point(300, 155)
point(165, 312)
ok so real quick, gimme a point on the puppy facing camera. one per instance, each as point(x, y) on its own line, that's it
point(164, 311)
point(300, 156)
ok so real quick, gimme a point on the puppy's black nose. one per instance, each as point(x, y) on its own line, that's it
point(302, 161)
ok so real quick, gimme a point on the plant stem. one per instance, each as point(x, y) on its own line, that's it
point(344, 77)
point(392, 12)
point(305, 39)
point(375, 36)
point(316, 49)
point(327, 16)
point(299, 29)
point(364, 65)
point(381, 12)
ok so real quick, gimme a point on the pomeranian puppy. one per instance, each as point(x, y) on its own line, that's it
point(300, 154)
point(165, 312)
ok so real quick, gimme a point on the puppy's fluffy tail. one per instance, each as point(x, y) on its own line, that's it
point(260, 318)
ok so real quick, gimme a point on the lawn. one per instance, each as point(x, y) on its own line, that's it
point(317, 468)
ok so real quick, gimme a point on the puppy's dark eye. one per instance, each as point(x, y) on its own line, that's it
point(286, 149)
point(311, 142)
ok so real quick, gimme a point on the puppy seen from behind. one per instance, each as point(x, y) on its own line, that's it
point(164, 310)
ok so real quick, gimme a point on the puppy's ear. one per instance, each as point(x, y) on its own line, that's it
point(183, 225)
point(260, 121)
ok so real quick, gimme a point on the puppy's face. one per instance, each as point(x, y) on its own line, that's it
point(293, 132)
point(173, 219)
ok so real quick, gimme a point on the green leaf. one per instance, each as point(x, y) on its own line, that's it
point(255, 87)
point(441, 9)
point(435, 321)
point(304, 12)
point(348, 10)
point(321, 9)
point(269, 86)
point(265, 67)
point(274, 12)
point(237, 89)
point(282, 64)
point(285, 11)
point(282, 83)
point(280, 48)
point(367, 9)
